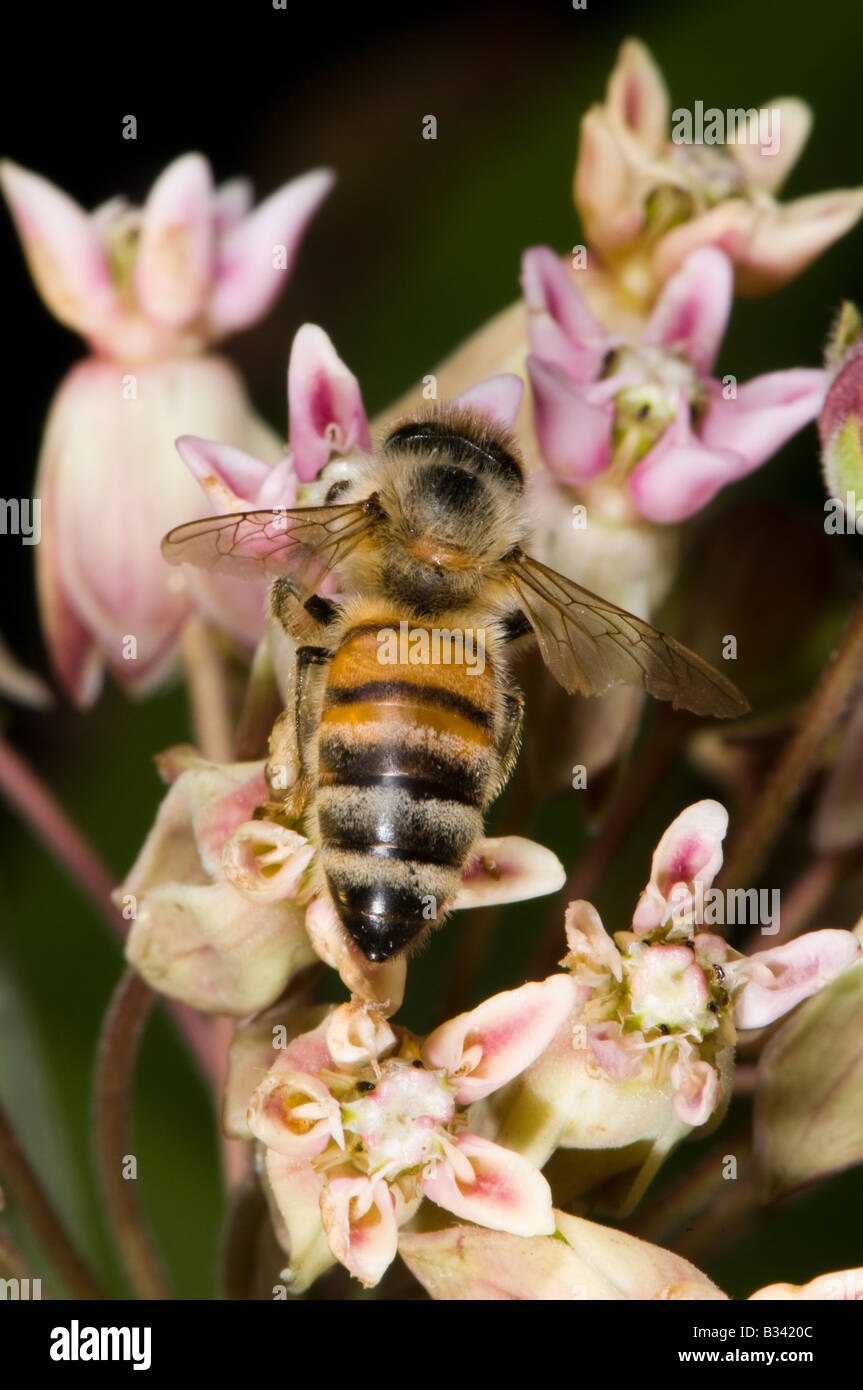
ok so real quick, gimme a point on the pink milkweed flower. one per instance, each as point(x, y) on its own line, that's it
point(372, 1132)
point(583, 1260)
point(645, 422)
point(166, 280)
point(647, 1053)
point(212, 894)
point(327, 421)
point(649, 193)
point(149, 289)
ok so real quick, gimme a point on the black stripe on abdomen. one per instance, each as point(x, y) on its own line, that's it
point(390, 822)
point(390, 692)
point(418, 769)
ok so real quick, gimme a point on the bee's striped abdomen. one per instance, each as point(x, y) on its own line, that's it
point(406, 758)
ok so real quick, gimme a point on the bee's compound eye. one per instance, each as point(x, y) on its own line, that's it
point(335, 490)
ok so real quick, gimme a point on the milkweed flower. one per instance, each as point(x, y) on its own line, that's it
point(150, 290)
point(205, 929)
point(327, 421)
point(643, 428)
point(582, 1260)
point(647, 1053)
point(649, 194)
point(372, 1120)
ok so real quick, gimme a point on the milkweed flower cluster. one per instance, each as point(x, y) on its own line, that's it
point(648, 199)
point(647, 1054)
point(375, 1119)
point(150, 290)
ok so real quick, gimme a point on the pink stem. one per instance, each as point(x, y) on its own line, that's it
point(39, 809)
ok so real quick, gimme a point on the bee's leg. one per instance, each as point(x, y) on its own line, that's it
point(304, 622)
point(509, 738)
point(292, 735)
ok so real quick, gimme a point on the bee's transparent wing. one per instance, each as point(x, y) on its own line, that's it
point(589, 644)
point(304, 543)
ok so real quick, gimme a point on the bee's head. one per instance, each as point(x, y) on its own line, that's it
point(452, 486)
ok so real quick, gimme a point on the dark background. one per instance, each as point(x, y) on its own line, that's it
point(419, 243)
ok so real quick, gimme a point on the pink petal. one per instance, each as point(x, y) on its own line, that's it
point(504, 1192)
point(498, 396)
point(728, 226)
point(487, 1047)
point(509, 870)
point(73, 651)
point(692, 311)
point(63, 248)
point(325, 405)
point(174, 264)
point(294, 1189)
point(791, 119)
point(637, 96)
point(793, 235)
point(294, 1114)
point(698, 1089)
point(689, 852)
point(216, 816)
point(561, 328)
point(768, 411)
point(266, 861)
point(360, 1221)
point(679, 475)
point(846, 1285)
point(356, 1033)
point(228, 475)
point(769, 245)
point(609, 198)
point(250, 273)
point(619, 1055)
point(574, 435)
point(778, 979)
point(380, 985)
point(589, 942)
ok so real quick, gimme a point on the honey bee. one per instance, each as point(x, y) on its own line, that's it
point(401, 753)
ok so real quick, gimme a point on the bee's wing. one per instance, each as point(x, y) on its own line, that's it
point(302, 543)
point(589, 644)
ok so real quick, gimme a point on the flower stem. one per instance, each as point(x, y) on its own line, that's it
point(262, 706)
point(214, 735)
point(113, 1085)
point(754, 843)
point(208, 691)
point(36, 805)
point(684, 1200)
point(44, 1219)
point(42, 812)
